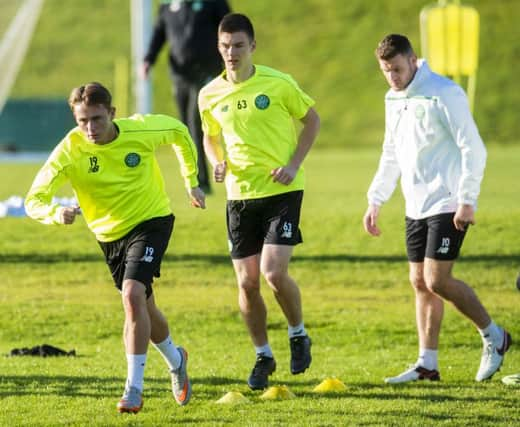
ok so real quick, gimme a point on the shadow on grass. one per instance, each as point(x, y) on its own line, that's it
point(90, 386)
point(461, 417)
point(60, 385)
point(205, 388)
point(217, 381)
point(42, 258)
point(425, 392)
point(241, 382)
point(282, 326)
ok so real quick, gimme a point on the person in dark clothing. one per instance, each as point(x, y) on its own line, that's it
point(190, 28)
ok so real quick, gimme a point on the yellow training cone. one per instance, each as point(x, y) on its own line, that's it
point(278, 393)
point(329, 385)
point(233, 398)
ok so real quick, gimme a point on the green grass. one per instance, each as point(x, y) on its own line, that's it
point(327, 45)
point(358, 308)
point(8, 9)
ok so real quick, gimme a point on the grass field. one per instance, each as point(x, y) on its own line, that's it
point(358, 309)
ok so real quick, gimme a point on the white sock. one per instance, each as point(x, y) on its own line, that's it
point(493, 333)
point(136, 364)
point(296, 331)
point(428, 358)
point(169, 352)
point(264, 350)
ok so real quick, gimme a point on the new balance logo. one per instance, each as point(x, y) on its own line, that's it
point(444, 247)
point(148, 255)
point(287, 230)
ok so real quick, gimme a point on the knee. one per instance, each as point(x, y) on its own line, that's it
point(418, 282)
point(275, 278)
point(435, 284)
point(134, 295)
point(248, 285)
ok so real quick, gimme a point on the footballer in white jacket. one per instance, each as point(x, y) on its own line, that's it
point(432, 143)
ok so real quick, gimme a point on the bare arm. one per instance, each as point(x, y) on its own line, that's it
point(311, 126)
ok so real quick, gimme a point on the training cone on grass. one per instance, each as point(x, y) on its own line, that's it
point(512, 380)
point(330, 385)
point(233, 398)
point(281, 392)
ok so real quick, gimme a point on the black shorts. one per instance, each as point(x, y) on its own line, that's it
point(139, 253)
point(253, 222)
point(434, 237)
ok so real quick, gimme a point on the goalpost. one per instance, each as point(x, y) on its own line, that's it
point(14, 43)
point(141, 26)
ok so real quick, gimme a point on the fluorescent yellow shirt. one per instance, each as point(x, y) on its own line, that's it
point(119, 184)
point(256, 121)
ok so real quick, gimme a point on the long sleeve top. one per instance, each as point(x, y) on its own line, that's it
point(119, 184)
point(432, 143)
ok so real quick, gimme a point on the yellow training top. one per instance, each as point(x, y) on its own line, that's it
point(255, 118)
point(119, 184)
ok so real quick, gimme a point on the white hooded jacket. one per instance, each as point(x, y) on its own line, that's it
point(432, 142)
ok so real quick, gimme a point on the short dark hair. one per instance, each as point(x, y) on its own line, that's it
point(393, 45)
point(236, 22)
point(90, 94)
